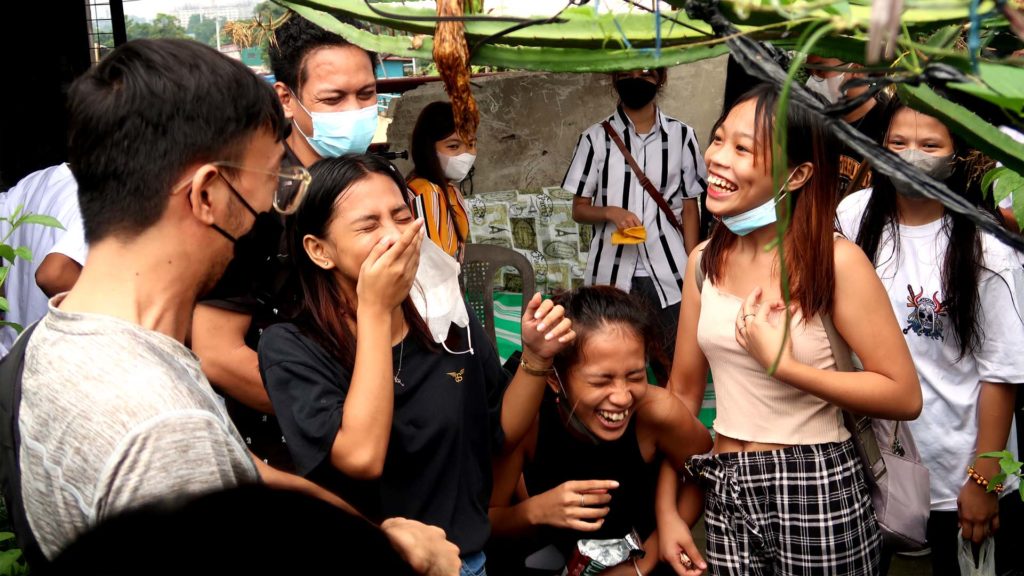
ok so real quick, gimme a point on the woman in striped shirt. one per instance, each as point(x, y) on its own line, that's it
point(441, 159)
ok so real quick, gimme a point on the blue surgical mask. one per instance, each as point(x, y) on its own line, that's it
point(757, 217)
point(337, 133)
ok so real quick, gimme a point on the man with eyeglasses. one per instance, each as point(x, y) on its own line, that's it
point(177, 153)
point(327, 88)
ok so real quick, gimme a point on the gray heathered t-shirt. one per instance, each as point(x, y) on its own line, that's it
point(114, 416)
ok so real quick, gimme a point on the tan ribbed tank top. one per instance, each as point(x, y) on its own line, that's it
point(752, 406)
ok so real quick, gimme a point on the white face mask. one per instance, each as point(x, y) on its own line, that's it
point(456, 168)
point(436, 293)
point(827, 87)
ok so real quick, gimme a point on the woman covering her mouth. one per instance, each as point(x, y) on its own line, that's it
point(589, 462)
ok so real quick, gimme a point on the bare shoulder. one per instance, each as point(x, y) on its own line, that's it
point(850, 261)
point(659, 408)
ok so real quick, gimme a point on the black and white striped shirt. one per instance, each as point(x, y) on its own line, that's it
point(671, 158)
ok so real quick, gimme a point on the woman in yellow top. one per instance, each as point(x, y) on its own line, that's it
point(441, 159)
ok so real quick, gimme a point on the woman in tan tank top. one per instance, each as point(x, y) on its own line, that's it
point(783, 487)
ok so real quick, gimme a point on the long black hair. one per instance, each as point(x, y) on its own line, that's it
point(325, 314)
point(435, 123)
point(592, 307)
point(963, 261)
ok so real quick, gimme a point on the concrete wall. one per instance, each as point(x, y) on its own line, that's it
point(529, 123)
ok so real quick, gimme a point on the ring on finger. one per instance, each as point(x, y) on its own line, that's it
point(582, 504)
point(745, 316)
point(686, 561)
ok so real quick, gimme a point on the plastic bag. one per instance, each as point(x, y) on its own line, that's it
point(986, 565)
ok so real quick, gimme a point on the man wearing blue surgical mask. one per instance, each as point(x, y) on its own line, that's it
point(328, 91)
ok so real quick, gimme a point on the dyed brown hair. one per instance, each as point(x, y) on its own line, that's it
point(808, 241)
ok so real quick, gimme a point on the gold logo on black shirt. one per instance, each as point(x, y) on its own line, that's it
point(457, 376)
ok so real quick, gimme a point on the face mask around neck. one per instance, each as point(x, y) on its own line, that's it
point(338, 133)
point(437, 296)
point(757, 217)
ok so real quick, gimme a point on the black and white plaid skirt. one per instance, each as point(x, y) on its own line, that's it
point(799, 510)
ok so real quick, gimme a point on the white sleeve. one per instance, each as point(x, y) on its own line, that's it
point(72, 240)
point(999, 358)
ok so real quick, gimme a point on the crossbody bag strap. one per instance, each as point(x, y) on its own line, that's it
point(644, 180)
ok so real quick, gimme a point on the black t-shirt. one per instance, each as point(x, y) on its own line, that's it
point(269, 291)
point(560, 456)
point(445, 428)
point(873, 125)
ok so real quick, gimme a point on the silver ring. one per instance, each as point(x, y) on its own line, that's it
point(686, 561)
point(745, 316)
point(582, 505)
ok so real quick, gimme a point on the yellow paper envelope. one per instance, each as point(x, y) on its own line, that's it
point(633, 235)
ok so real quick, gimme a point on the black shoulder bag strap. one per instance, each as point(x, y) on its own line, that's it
point(644, 180)
point(10, 443)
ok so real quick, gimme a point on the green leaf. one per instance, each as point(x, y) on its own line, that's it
point(7, 253)
point(945, 37)
point(523, 57)
point(17, 327)
point(4, 304)
point(999, 84)
point(1009, 182)
point(989, 176)
point(841, 9)
point(1009, 467)
point(995, 481)
point(8, 560)
point(17, 212)
point(24, 253)
point(5, 536)
point(42, 220)
point(1001, 454)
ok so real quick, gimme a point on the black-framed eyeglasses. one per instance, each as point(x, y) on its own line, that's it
point(292, 184)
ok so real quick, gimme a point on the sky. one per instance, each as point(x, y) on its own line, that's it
point(150, 8)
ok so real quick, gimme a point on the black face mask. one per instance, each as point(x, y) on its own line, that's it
point(635, 93)
point(255, 251)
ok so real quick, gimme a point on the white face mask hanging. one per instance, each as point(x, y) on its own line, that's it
point(437, 296)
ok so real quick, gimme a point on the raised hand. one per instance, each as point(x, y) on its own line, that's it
point(545, 330)
point(387, 274)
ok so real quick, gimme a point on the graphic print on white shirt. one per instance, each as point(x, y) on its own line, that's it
point(927, 315)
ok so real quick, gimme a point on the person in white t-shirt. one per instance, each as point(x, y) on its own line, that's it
point(57, 254)
point(955, 290)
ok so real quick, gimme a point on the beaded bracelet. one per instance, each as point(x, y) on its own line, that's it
point(981, 480)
